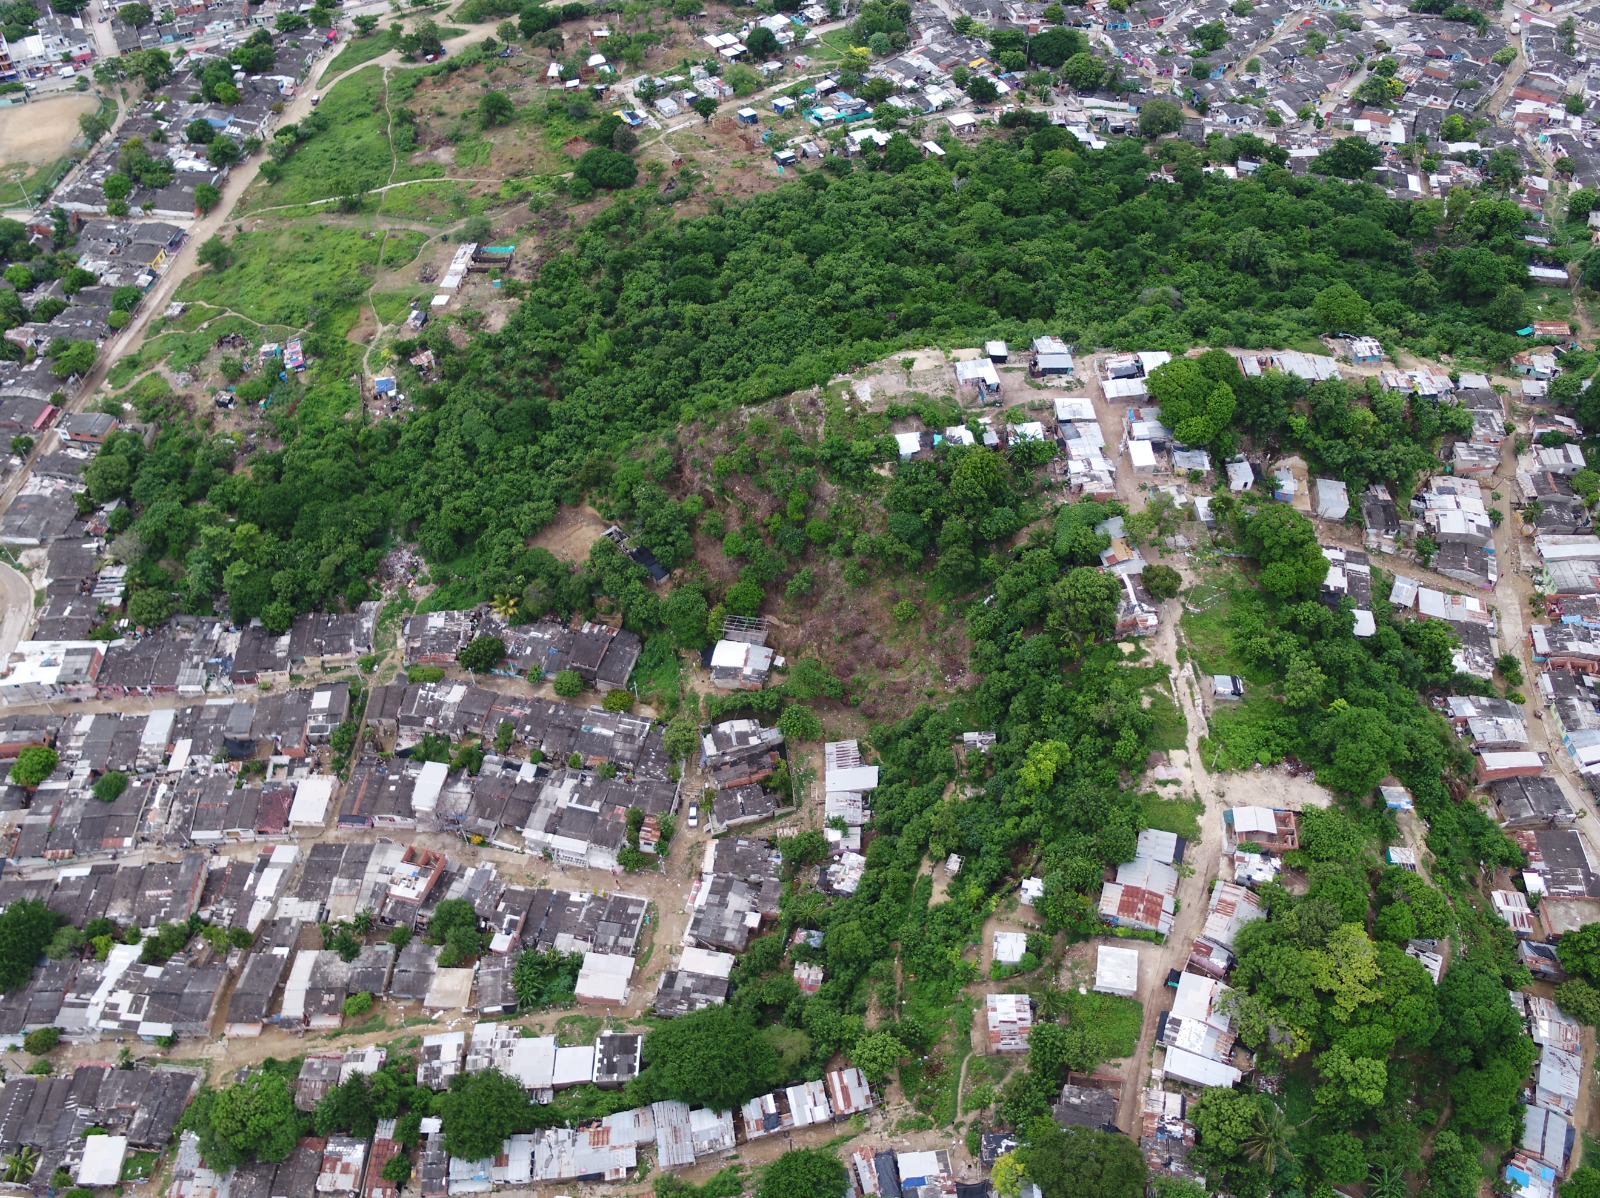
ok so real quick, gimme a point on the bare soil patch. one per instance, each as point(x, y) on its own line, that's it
point(571, 533)
point(42, 131)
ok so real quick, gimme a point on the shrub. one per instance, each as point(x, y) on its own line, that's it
point(602, 167)
point(358, 1003)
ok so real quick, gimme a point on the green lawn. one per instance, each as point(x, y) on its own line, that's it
point(575, 1030)
point(443, 202)
point(361, 50)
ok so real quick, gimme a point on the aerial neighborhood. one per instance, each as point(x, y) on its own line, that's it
point(868, 597)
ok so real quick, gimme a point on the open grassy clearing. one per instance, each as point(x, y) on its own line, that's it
point(1178, 816)
point(363, 50)
point(296, 274)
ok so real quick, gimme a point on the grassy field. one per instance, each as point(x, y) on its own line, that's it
point(1171, 730)
point(1181, 817)
point(363, 50)
point(445, 203)
point(353, 154)
point(1118, 1019)
point(1256, 731)
point(299, 274)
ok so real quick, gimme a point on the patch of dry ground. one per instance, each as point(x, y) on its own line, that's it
point(40, 132)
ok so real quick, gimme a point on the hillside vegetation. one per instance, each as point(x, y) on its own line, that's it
point(646, 323)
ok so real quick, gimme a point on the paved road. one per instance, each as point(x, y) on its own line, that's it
point(18, 612)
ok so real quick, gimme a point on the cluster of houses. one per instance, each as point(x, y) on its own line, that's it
point(289, 979)
point(1276, 65)
point(136, 1110)
point(1540, 1159)
point(607, 1149)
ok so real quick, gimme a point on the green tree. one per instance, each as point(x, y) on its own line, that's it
point(1339, 309)
point(1055, 47)
point(214, 252)
point(712, 1057)
point(762, 43)
point(1580, 1000)
point(206, 197)
point(481, 1111)
point(1076, 1162)
point(1349, 158)
point(1210, 37)
point(684, 612)
point(545, 979)
point(1580, 952)
point(706, 107)
point(21, 1165)
point(1159, 117)
point(1083, 604)
point(799, 723)
point(33, 765)
point(148, 607)
point(495, 108)
point(1270, 1138)
point(69, 358)
point(1084, 72)
point(1197, 399)
point(1284, 544)
point(568, 684)
point(876, 1054)
point(803, 1173)
point(135, 15)
point(41, 1041)
point(397, 1168)
point(482, 654)
point(983, 89)
point(108, 787)
point(358, 1004)
point(680, 738)
point(254, 1119)
point(1584, 1183)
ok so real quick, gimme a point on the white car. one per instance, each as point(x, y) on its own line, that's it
point(694, 815)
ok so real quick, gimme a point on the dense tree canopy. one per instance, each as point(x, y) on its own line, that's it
point(1077, 1162)
point(634, 329)
point(480, 1110)
point(712, 1057)
point(26, 927)
point(254, 1119)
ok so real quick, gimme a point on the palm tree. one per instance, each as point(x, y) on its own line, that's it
point(1387, 1183)
point(505, 606)
point(1268, 1142)
point(21, 1165)
point(363, 920)
point(1052, 1003)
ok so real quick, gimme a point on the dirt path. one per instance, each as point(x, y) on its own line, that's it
point(383, 240)
point(254, 212)
point(1205, 859)
point(155, 302)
